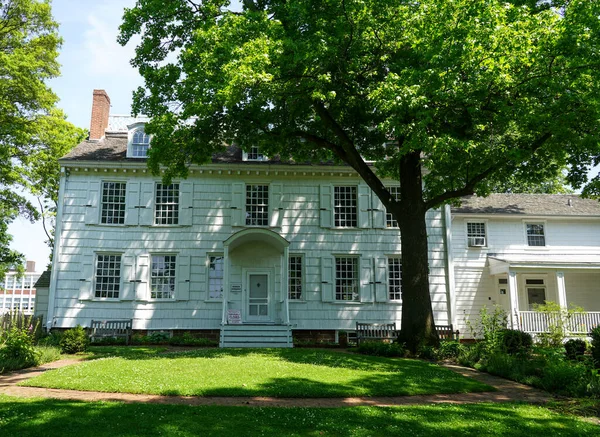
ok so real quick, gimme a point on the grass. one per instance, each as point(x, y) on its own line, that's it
point(34, 417)
point(255, 372)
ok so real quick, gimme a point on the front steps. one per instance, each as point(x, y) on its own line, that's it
point(255, 336)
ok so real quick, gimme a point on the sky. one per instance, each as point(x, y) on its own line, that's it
point(91, 59)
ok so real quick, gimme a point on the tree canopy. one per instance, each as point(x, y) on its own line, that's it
point(33, 133)
point(480, 93)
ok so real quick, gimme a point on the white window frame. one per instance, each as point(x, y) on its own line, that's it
point(133, 131)
point(248, 218)
point(175, 205)
point(208, 276)
point(356, 279)
point(254, 154)
point(397, 258)
point(390, 221)
point(151, 277)
point(526, 287)
point(122, 205)
point(334, 207)
point(471, 240)
point(545, 234)
point(302, 270)
point(119, 283)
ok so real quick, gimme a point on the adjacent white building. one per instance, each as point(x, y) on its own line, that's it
point(18, 292)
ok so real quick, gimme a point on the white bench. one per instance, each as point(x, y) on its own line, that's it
point(111, 329)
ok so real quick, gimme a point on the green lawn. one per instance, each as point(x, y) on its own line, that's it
point(36, 417)
point(255, 372)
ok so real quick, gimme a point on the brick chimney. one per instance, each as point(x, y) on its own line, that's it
point(100, 111)
point(30, 266)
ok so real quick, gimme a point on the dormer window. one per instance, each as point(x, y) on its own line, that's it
point(254, 155)
point(139, 143)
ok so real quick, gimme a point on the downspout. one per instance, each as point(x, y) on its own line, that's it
point(450, 282)
point(50, 322)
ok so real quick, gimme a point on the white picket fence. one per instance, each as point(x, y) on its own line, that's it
point(535, 322)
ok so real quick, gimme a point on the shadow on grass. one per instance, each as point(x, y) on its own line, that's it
point(67, 418)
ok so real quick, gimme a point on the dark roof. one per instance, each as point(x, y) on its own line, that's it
point(113, 147)
point(43, 281)
point(529, 204)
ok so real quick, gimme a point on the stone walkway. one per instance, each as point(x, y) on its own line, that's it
point(508, 391)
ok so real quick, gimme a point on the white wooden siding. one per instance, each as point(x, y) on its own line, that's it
point(299, 208)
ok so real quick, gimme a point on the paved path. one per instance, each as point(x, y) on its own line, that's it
point(508, 391)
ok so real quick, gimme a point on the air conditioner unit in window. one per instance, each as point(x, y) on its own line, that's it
point(476, 241)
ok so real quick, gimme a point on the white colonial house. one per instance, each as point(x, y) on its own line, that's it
point(247, 248)
point(250, 249)
point(518, 250)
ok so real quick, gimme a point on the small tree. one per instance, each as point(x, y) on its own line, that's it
point(489, 327)
point(559, 322)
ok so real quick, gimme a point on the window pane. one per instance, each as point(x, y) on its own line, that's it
point(113, 203)
point(345, 207)
point(162, 276)
point(535, 234)
point(140, 144)
point(108, 276)
point(394, 279)
point(346, 279)
point(390, 220)
point(295, 277)
point(167, 204)
point(215, 277)
point(257, 205)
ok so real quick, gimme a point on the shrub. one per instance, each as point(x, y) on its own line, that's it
point(470, 355)
point(381, 349)
point(575, 349)
point(487, 328)
point(559, 320)
point(52, 339)
point(188, 340)
point(515, 342)
point(595, 334)
point(449, 349)
point(18, 351)
point(74, 340)
point(48, 353)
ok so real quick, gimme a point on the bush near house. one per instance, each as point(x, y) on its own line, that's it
point(595, 334)
point(551, 364)
point(74, 340)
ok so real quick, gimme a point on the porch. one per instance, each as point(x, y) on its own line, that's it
point(527, 280)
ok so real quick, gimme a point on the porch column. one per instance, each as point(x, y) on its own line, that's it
point(514, 299)
point(561, 289)
point(284, 285)
point(225, 284)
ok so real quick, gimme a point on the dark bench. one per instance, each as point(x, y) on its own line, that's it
point(375, 331)
point(111, 329)
point(447, 332)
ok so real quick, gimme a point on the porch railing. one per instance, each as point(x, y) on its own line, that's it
point(536, 323)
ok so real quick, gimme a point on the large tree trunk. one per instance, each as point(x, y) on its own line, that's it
point(418, 327)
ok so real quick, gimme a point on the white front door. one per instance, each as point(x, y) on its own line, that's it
point(258, 305)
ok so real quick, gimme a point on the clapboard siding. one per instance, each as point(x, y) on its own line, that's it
point(211, 225)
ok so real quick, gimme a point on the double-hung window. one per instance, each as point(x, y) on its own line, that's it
point(476, 234)
point(257, 205)
point(113, 203)
point(390, 221)
point(167, 204)
point(108, 276)
point(295, 277)
point(346, 279)
point(162, 276)
point(394, 279)
point(255, 155)
point(215, 277)
point(344, 207)
point(535, 234)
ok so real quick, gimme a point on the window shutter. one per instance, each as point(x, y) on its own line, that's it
point(237, 204)
point(275, 201)
point(141, 277)
point(364, 206)
point(146, 205)
point(128, 288)
point(326, 203)
point(327, 278)
point(379, 211)
point(86, 281)
point(186, 210)
point(132, 201)
point(93, 204)
point(366, 280)
point(381, 285)
point(183, 278)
